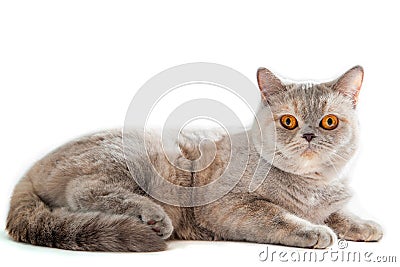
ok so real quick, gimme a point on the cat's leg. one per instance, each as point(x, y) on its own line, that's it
point(113, 198)
point(243, 217)
point(350, 227)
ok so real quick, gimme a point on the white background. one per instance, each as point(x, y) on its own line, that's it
point(72, 67)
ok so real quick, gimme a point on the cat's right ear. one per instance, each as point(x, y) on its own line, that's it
point(268, 83)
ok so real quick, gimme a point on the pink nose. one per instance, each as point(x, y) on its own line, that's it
point(309, 136)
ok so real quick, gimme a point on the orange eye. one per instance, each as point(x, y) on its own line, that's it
point(329, 122)
point(289, 122)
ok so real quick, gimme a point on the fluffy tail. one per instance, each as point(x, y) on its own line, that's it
point(30, 220)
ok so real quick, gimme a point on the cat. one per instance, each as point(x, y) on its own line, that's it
point(82, 196)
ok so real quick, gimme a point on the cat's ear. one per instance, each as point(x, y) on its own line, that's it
point(350, 83)
point(268, 83)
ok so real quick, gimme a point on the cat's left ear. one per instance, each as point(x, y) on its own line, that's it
point(350, 83)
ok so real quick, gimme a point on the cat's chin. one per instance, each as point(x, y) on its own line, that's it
point(308, 165)
point(309, 154)
point(313, 169)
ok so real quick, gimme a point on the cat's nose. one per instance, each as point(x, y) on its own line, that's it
point(309, 136)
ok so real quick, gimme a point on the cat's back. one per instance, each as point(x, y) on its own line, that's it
point(113, 156)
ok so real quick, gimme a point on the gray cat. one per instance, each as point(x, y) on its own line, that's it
point(82, 196)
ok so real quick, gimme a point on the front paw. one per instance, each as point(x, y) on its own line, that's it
point(317, 236)
point(156, 218)
point(368, 231)
point(150, 214)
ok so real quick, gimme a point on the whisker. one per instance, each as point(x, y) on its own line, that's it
point(291, 145)
point(333, 165)
point(327, 144)
point(333, 152)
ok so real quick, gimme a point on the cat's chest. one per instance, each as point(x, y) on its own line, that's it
point(313, 202)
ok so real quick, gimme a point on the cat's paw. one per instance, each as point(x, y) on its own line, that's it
point(318, 236)
point(155, 217)
point(368, 231)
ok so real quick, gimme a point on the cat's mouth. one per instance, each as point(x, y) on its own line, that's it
point(308, 153)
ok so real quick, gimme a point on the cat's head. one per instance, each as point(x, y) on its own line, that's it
point(315, 124)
